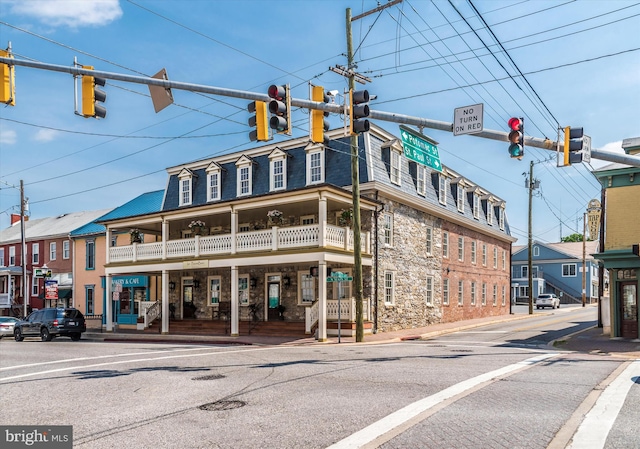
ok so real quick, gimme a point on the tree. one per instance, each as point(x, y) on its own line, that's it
point(572, 238)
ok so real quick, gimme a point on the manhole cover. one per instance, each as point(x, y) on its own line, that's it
point(209, 377)
point(219, 406)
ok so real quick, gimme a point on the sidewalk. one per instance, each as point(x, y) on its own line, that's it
point(590, 340)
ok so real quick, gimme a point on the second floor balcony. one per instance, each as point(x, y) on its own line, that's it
point(265, 240)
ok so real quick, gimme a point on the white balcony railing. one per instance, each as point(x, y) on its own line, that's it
point(274, 239)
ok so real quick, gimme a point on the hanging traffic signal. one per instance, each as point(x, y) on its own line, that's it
point(318, 122)
point(91, 95)
point(280, 107)
point(516, 137)
point(7, 81)
point(572, 144)
point(259, 121)
point(359, 110)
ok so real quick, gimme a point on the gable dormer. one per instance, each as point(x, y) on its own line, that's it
point(186, 180)
point(315, 163)
point(461, 185)
point(244, 168)
point(277, 170)
point(214, 181)
point(392, 152)
point(490, 201)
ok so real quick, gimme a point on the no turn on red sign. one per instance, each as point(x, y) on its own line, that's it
point(468, 119)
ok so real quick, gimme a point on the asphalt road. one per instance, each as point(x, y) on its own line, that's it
point(499, 386)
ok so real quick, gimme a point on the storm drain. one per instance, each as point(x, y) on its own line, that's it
point(209, 377)
point(220, 406)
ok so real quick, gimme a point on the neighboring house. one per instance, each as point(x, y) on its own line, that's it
point(556, 268)
point(254, 235)
point(621, 202)
point(90, 248)
point(48, 247)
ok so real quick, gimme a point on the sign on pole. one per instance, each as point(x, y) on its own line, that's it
point(419, 148)
point(586, 149)
point(468, 119)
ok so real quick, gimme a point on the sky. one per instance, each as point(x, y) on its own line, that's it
point(555, 63)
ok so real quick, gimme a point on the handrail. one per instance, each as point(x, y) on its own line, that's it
point(311, 316)
point(151, 314)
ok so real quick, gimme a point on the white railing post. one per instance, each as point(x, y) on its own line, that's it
point(347, 234)
point(165, 237)
point(135, 252)
point(197, 246)
point(322, 220)
point(274, 238)
point(234, 231)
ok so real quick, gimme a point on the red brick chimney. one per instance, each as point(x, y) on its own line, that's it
point(15, 218)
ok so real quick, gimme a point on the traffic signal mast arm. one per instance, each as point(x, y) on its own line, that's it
point(420, 122)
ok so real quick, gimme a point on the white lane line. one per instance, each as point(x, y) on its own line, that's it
point(597, 424)
point(98, 357)
point(120, 362)
point(399, 417)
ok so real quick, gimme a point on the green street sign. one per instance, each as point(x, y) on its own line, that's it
point(417, 148)
point(338, 276)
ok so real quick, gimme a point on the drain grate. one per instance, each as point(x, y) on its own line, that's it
point(220, 406)
point(209, 377)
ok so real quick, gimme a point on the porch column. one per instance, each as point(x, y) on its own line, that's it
point(322, 221)
point(165, 299)
point(107, 243)
point(234, 302)
point(234, 231)
point(165, 237)
point(108, 303)
point(322, 301)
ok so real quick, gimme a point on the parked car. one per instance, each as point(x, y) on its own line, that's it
point(547, 300)
point(6, 326)
point(50, 323)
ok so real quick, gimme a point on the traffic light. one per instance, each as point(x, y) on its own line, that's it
point(7, 81)
point(259, 121)
point(91, 95)
point(572, 144)
point(359, 110)
point(516, 137)
point(280, 107)
point(318, 123)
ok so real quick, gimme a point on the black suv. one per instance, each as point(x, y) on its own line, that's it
point(49, 323)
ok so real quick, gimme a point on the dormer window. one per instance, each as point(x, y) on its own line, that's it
point(277, 170)
point(476, 205)
point(395, 166)
point(490, 212)
point(244, 171)
point(421, 178)
point(442, 191)
point(214, 178)
point(315, 164)
point(185, 181)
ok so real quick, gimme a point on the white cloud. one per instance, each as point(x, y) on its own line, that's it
point(71, 13)
point(45, 135)
point(8, 137)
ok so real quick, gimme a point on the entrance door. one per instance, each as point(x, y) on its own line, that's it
point(273, 289)
point(629, 309)
point(188, 308)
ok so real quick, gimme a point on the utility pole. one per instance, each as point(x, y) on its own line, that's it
point(355, 196)
point(531, 184)
point(584, 259)
point(23, 256)
point(355, 179)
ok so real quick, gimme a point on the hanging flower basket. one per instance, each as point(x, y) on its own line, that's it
point(275, 217)
point(346, 218)
point(197, 227)
point(135, 236)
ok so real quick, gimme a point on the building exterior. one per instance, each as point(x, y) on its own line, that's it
point(48, 249)
point(621, 185)
point(89, 248)
point(556, 268)
point(266, 235)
